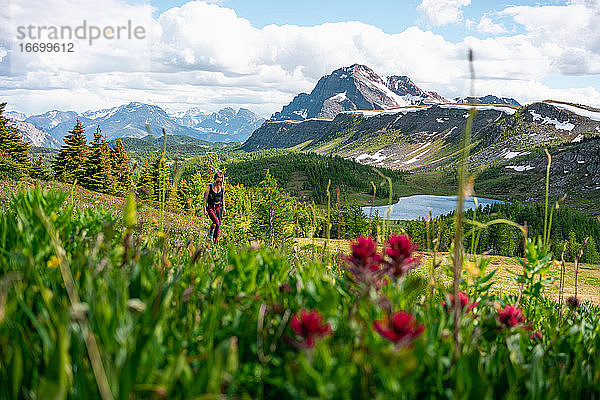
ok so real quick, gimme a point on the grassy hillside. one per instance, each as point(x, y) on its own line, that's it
point(196, 228)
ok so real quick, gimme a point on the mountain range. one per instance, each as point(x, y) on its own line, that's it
point(346, 89)
point(388, 122)
point(358, 87)
point(131, 120)
point(507, 152)
point(391, 122)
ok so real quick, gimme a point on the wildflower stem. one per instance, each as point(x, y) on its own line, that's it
point(162, 179)
point(546, 227)
point(327, 233)
point(577, 262)
point(372, 203)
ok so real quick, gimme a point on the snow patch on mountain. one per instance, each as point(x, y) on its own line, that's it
point(579, 138)
point(91, 114)
point(15, 115)
point(519, 168)
point(337, 97)
point(505, 109)
point(34, 135)
point(512, 154)
point(377, 157)
point(593, 115)
point(566, 126)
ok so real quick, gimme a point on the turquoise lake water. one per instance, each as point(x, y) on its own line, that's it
point(418, 206)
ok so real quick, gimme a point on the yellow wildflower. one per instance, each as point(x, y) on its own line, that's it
point(472, 269)
point(53, 262)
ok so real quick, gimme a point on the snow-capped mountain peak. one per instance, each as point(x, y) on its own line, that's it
point(133, 118)
point(356, 87)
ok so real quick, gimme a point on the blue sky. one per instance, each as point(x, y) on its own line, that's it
point(259, 54)
point(390, 16)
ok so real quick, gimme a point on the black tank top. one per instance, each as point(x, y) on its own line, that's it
point(214, 198)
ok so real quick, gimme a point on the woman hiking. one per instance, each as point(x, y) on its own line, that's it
point(214, 205)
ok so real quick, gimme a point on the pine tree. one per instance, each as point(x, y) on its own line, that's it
point(161, 179)
point(98, 171)
point(590, 253)
point(69, 165)
point(120, 168)
point(37, 170)
point(14, 160)
point(184, 201)
point(145, 185)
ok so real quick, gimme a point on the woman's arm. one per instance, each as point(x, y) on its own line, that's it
point(204, 201)
point(223, 201)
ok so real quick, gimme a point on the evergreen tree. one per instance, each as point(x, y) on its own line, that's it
point(184, 201)
point(145, 185)
point(37, 170)
point(69, 165)
point(161, 179)
point(275, 211)
point(120, 168)
point(98, 174)
point(14, 160)
point(590, 253)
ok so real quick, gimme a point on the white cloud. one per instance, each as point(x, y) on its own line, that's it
point(569, 34)
point(102, 55)
point(205, 55)
point(442, 12)
point(487, 26)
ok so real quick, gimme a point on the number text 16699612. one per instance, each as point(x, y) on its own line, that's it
point(47, 47)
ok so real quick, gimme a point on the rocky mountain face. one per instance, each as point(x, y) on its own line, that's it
point(130, 120)
point(397, 132)
point(507, 140)
point(15, 116)
point(35, 136)
point(405, 87)
point(488, 99)
point(356, 87)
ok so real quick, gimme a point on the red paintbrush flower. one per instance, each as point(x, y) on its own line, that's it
point(399, 250)
point(309, 325)
point(464, 302)
point(537, 335)
point(364, 263)
point(511, 316)
point(364, 256)
point(401, 328)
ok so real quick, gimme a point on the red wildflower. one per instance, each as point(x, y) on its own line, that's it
point(399, 250)
point(464, 302)
point(403, 327)
point(285, 288)
point(537, 335)
point(364, 263)
point(511, 316)
point(308, 326)
point(364, 256)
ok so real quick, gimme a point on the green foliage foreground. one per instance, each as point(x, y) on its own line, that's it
point(90, 304)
